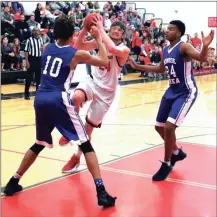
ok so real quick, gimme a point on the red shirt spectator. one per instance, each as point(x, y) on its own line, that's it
point(195, 41)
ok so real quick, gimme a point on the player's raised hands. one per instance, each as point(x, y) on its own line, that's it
point(98, 21)
point(95, 33)
point(208, 39)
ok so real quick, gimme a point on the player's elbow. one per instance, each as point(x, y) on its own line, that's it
point(202, 59)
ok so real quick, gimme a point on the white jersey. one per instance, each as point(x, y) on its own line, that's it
point(107, 78)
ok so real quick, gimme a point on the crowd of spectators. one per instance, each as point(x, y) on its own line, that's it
point(145, 38)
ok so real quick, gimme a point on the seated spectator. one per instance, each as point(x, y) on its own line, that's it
point(197, 64)
point(96, 5)
point(72, 14)
point(8, 56)
point(155, 56)
point(211, 57)
point(125, 15)
point(195, 41)
point(82, 6)
point(46, 13)
point(11, 10)
point(32, 23)
point(117, 7)
point(38, 13)
point(45, 38)
point(7, 20)
point(136, 45)
point(109, 7)
point(23, 28)
point(79, 17)
point(129, 36)
point(113, 17)
point(137, 19)
point(65, 6)
point(123, 6)
point(145, 53)
point(53, 6)
point(152, 45)
point(121, 18)
point(107, 22)
point(16, 6)
point(90, 5)
point(18, 58)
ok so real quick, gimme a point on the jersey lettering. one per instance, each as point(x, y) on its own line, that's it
point(57, 61)
point(172, 75)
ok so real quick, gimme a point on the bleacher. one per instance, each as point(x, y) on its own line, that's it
point(13, 76)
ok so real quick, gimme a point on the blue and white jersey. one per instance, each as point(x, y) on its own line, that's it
point(55, 68)
point(181, 79)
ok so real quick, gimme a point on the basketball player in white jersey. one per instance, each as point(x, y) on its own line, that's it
point(102, 87)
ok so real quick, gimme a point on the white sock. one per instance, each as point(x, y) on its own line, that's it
point(176, 152)
point(17, 176)
point(167, 162)
point(79, 152)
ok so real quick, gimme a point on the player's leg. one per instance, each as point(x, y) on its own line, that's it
point(81, 94)
point(94, 117)
point(43, 138)
point(71, 127)
point(162, 116)
point(180, 108)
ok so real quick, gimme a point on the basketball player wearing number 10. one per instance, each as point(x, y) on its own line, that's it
point(181, 94)
point(54, 108)
point(102, 87)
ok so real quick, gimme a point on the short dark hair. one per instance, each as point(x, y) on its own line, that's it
point(121, 24)
point(180, 25)
point(63, 27)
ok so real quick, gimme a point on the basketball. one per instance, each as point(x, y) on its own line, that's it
point(88, 22)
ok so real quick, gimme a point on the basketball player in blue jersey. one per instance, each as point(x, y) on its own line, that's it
point(181, 94)
point(53, 107)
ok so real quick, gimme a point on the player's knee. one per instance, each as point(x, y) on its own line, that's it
point(78, 98)
point(157, 128)
point(169, 128)
point(160, 130)
point(36, 148)
point(86, 147)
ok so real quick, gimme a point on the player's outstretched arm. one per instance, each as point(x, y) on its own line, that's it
point(100, 60)
point(110, 45)
point(80, 44)
point(146, 68)
point(191, 52)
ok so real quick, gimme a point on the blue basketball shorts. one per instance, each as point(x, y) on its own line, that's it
point(174, 107)
point(55, 110)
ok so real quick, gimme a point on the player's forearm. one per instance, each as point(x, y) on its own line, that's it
point(203, 54)
point(146, 68)
point(102, 53)
point(80, 40)
point(107, 41)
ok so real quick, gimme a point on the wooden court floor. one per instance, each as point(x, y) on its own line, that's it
point(127, 128)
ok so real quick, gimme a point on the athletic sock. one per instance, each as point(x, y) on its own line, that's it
point(17, 176)
point(176, 152)
point(79, 153)
point(167, 162)
point(99, 185)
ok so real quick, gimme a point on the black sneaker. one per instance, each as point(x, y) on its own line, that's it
point(12, 187)
point(180, 156)
point(163, 172)
point(104, 199)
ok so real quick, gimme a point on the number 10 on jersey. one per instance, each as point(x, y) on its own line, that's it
point(55, 61)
